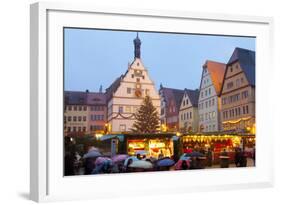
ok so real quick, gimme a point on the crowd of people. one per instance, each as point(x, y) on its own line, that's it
point(93, 162)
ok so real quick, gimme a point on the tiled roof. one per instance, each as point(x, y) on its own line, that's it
point(247, 62)
point(193, 96)
point(171, 93)
point(113, 87)
point(75, 98)
point(216, 71)
point(84, 98)
point(96, 98)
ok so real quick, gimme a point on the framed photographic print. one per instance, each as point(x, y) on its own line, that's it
point(135, 102)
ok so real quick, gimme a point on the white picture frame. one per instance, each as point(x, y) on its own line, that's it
point(46, 177)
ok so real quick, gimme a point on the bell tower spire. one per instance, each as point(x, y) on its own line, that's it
point(137, 44)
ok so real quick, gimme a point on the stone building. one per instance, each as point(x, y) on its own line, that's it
point(84, 112)
point(238, 92)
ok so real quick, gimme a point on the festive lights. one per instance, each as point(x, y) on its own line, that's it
point(236, 121)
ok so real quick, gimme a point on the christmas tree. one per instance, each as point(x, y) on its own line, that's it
point(147, 119)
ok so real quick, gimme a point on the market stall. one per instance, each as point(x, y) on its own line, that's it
point(218, 143)
point(155, 147)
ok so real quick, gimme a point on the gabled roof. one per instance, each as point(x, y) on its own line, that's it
point(84, 98)
point(96, 98)
point(247, 61)
point(75, 98)
point(193, 96)
point(175, 94)
point(113, 87)
point(216, 71)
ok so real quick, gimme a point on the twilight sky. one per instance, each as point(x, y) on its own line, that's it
point(98, 57)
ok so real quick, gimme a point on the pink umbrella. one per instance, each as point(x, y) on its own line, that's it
point(101, 160)
point(178, 165)
point(119, 158)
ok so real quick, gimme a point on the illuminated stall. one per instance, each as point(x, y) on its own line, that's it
point(218, 143)
point(151, 145)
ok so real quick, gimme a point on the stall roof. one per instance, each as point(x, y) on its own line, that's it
point(136, 135)
point(108, 137)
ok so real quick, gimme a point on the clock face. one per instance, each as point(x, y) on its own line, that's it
point(138, 92)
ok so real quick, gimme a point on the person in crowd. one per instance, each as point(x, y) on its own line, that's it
point(254, 156)
point(127, 168)
point(209, 157)
point(184, 165)
point(237, 157)
point(69, 164)
point(193, 163)
point(224, 153)
point(202, 150)
point(243, 159)
point(144, 157)
point(224, 159)
point(89, 165)
point(160, 156)
point(139, 156)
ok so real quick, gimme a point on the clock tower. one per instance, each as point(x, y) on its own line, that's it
point(126, 94)
point(137, 44)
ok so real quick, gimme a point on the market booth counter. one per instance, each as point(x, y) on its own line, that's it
point(156, 145)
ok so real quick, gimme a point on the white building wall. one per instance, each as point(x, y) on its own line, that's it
point(125, 97)
point(208, 105)
point(188, 115)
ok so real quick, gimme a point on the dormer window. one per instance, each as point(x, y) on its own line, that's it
point(96, 99)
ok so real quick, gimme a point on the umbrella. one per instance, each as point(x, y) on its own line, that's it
point(134, 158)
point(92, 154)
point(178, 165)
point(119, 158)
point(103, 165)
point(101, 160)
point(185, 157)
point(165, 162)
point(194, 154)
point(93, 149)
point(141, 164)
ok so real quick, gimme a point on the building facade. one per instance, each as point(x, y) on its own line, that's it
point(188, 114)
point(126, 94)
point(209, 105)
point(238, 92)
point(84, 113)
point(170, 107)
